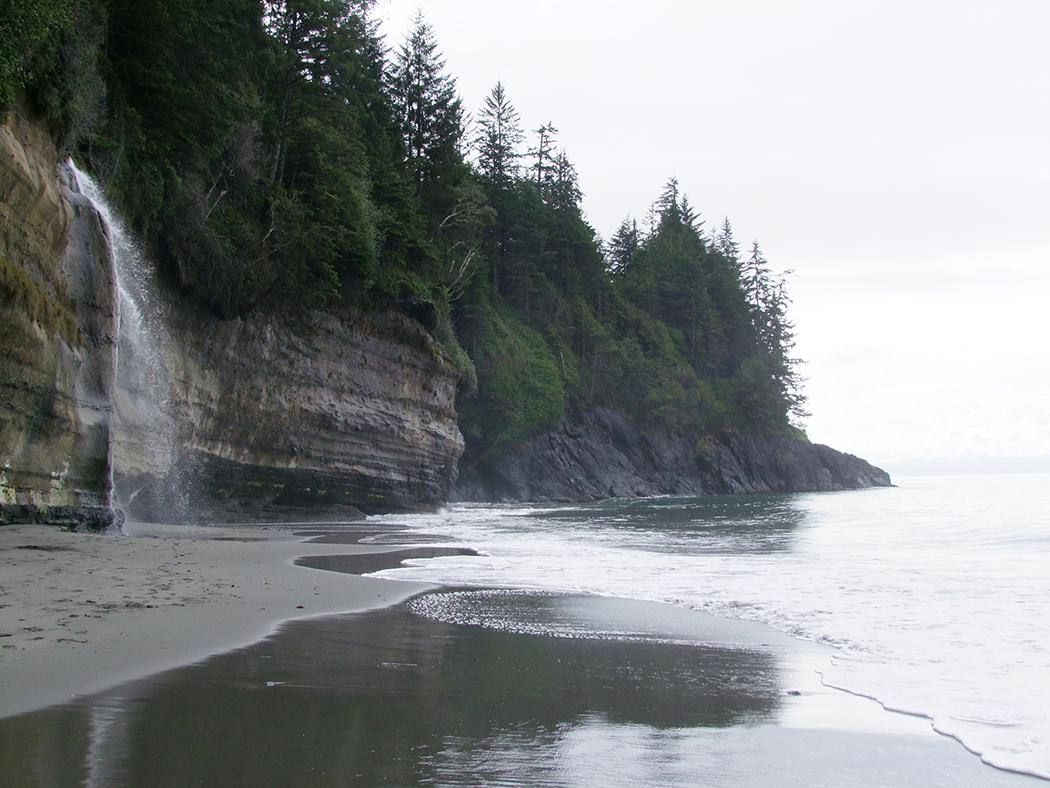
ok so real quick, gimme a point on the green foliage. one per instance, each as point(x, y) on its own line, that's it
point(499, 135)
point(520, 390)
point(29, 35)
point(429, 111)
point(272, 158)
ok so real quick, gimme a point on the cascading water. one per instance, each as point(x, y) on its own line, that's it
point(143, 434)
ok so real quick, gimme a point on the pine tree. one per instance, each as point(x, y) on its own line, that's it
point(755, 278)
point(768, 299)
point(544, 167)
point(28, 28)
point(667, 204)
point(426, 104)
point(623, 247)
point(726, 244)
point(499, 136)
point(563, 190)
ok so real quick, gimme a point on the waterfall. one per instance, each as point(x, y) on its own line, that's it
point(143, 435)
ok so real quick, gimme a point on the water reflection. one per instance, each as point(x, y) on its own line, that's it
point(391, 697)
point(364, 563)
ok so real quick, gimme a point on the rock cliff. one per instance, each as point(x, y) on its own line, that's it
point(266, 420)
point(58, 323)
point(258, 419)
point(177, 415)
point(600, 454)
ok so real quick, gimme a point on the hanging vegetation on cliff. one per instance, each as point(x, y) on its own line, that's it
point(274, 155)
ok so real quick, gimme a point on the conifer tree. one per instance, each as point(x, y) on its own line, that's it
point(544, 152)
point(726, 244)
point(755, 278)
point(768, 299)
point(26, 28)
point(623, 247)
point(498, 138)
point(426, 104)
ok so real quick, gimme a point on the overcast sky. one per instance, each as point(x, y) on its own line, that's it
point(895, 155)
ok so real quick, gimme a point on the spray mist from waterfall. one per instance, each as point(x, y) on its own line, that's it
point(144, 446)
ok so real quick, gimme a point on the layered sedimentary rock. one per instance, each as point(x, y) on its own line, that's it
point(182, 416)
point(269, 421)
point(600, 454)
point(58, 323)
point(259, 419)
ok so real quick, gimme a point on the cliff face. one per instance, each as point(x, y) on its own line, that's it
point(57, 320)
point(180, 416)
point(599, 454)
point(270, 422)
point(255, 419)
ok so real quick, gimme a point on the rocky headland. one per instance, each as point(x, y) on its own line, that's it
point(600, 454)
point(324, 416)
point(268, 418)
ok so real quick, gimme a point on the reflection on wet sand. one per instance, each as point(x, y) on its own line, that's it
point(483, 688)
point(389, 697)
point(364, 563)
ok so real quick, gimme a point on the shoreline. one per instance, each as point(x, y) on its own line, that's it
point(81, 613)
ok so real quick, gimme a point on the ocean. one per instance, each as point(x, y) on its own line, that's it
point(819, 640)
point(934, 596)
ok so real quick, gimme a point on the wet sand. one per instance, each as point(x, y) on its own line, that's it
point(80, 613)
point(191, 656)
point(624, 696)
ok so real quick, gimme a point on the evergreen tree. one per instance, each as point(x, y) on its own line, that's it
point(29, 31)
point(690, 218)
point(272, 158)
point(623, 247)
point(543, 169)
point(755, 278)
point(430, 113)
point(563, 184)
point(768, 301)
point(498, 138)
point(726, 244)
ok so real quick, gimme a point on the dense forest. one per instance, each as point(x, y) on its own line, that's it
point(280, 155)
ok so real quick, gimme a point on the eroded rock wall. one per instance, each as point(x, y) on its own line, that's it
point(318, 420)
point(600, 454)
point(258, 419)
point(58, 329)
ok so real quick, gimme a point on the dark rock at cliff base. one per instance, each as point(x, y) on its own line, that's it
point(179, 415)
point(600, 454)
point(73, 518)
point(266, 420)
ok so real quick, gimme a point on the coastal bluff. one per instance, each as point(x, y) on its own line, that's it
point(262, 418)
point(600, 454)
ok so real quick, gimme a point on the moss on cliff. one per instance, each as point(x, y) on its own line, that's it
point(521, 392)
point(19, 291)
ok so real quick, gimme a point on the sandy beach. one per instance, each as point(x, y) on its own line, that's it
point(220, 652)
point(80, 613)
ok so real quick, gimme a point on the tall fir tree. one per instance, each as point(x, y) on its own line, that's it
point(726, 244)
point(499, 136)
point(427, 107)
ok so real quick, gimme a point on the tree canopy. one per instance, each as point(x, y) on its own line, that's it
point(277, 155)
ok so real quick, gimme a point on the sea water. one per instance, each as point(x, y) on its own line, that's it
point(935, 594)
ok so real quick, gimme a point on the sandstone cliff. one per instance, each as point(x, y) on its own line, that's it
point(599, 454)
point(257, 419)
point(266, 421)
point(58, 323)
point(178, 415)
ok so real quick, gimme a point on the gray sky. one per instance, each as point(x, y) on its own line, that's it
point(895, 155)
